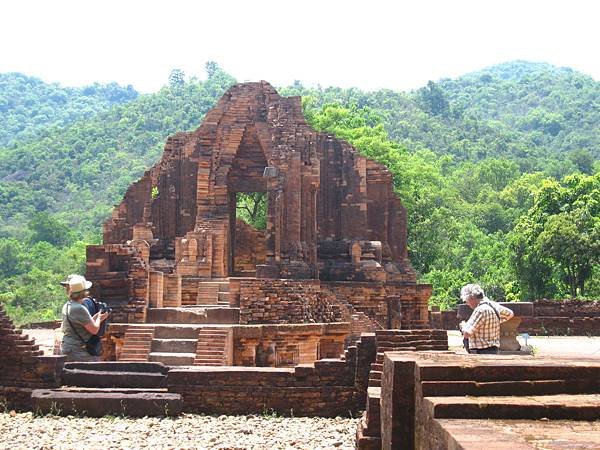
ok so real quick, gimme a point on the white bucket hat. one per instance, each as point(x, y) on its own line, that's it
point(78, 283)
point(66, 282)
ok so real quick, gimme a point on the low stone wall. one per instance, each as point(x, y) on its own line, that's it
point(550, 318)
point(286, 301)
point(443, 320)
point(564, 317)
point(22, 366)
point(325, 389)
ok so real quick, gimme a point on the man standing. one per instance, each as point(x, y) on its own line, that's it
point(483, 327)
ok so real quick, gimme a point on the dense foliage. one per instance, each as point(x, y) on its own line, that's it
point(498, 170)
point(59, 182)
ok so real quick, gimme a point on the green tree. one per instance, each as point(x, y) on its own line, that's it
point(559, 234)
point(47, 228)
point(252, 208)
point(176, 78)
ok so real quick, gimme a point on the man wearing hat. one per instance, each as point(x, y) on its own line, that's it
point(78, 325)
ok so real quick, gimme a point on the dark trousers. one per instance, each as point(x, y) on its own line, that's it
point(486, 351)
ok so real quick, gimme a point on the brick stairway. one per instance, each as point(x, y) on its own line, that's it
point(369, 428)
point(213, 347)
point(359, 321)
point(174, 345)
point(137, 343)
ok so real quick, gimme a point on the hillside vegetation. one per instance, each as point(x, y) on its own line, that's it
point(498, 170)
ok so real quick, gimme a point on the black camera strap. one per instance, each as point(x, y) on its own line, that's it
point(493, 309)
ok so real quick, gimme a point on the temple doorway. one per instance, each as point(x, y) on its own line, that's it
point(248, 206)
point(248, 243)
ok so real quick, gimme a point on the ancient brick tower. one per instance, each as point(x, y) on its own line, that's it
point(333, 223)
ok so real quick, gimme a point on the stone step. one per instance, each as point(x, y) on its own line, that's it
point(173, 345)
point(118, 389)
point(207, 362)
point(102, 403)
point(112, 379)
point(374, 383)
point(363, 440)
point(175, 332)
point(173, 359)
point(208, 353)
point(202, 346)
point(535, 407)
point(375, 375)
point(519, 388)
point(118, 366)
point(210, 336)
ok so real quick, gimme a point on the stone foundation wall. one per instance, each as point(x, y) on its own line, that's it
point(327, 389)
point(22, 366)
point(286, 301)
point(369, 298)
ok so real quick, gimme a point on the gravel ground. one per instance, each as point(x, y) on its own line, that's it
point(190, 431)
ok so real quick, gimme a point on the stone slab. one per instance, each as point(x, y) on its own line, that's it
point(514, 434)
point(98, 404)
point(574, 407)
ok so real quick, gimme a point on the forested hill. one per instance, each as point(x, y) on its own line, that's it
point(483, 163)
point(27, 104)
point(543, 117)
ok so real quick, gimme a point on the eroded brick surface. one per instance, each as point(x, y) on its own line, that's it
point(332, 216)
point(22, 366)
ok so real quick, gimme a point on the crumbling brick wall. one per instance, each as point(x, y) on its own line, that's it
point(120, 278)
point(286, 301)
point(250, 248)
point(23, 366)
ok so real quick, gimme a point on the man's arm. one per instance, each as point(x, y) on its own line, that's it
point(472, 324)
point(504, 313)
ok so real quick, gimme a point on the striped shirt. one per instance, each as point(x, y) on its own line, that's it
point(484, 324)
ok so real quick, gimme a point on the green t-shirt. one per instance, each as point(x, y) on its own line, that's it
point(79, 316)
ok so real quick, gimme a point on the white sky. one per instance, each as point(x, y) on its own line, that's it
point(369, 44)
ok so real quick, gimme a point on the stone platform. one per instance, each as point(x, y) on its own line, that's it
point(422, 391)
point(515, 434)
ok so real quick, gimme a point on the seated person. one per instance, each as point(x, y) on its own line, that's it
point(482, 330)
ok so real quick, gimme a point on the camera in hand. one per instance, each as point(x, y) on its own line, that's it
point(103, 307)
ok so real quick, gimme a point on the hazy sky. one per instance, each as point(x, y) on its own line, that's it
point(369, 44)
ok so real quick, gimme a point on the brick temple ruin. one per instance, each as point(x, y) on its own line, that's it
point(318, 315)
point(331, 263)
